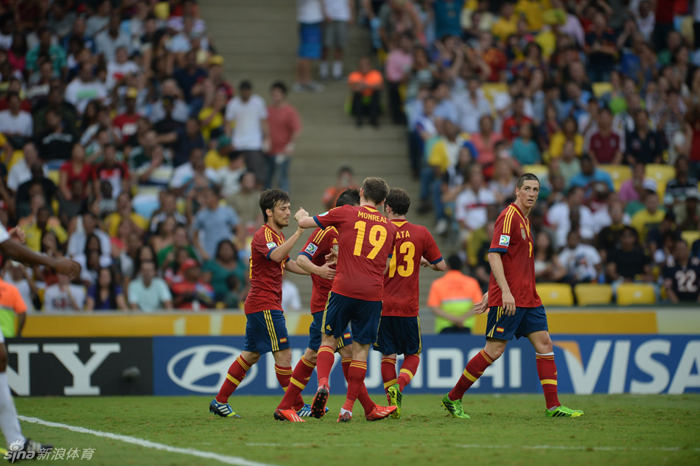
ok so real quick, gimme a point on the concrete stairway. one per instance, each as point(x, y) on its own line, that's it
point(258, 39)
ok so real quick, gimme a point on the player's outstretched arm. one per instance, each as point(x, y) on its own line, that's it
point(293, 266)
point(497, 269)
point(21, 253)
point(438, 267)
point(324, 271)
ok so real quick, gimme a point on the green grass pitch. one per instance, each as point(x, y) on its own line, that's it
point(503, 430)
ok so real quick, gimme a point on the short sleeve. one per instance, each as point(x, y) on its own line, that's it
point(501, 233)
point(316, 242)
point(331, 218)
point(262, 246)
point(262, 108)
point(431, 252)
point(165, 293)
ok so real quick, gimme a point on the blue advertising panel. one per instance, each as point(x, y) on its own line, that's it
point(585, 364)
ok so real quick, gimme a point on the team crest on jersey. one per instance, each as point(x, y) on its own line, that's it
point(311, 248)
point(271, 245)
point(522, 232)
point(504, 241)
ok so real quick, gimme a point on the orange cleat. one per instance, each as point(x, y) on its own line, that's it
point(318, 405)
point(346, 417)
point(380, 412)
point(287, 415)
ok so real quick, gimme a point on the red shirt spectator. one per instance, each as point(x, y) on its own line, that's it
point(116, 173)
point(284, 123)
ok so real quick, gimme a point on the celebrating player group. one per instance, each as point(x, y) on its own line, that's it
point(364, 268)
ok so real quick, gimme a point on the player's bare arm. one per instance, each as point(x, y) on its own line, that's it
point(293, 266)
point(21, 253)
point(281, 252)
point(324, 271)
point(304, 220)
point(499, 275)
point(483, 305)
point(439, 267)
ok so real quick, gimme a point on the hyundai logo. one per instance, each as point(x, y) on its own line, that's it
point(192, 370)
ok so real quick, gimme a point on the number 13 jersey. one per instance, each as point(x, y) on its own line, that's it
point(365, 242)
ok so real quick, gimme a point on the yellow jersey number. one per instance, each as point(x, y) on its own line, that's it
point(377, 238)
point(406, 267)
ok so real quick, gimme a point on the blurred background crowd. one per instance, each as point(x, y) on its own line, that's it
point(124, 146)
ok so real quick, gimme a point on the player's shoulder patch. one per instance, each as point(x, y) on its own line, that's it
point(504, 241)
point(271, 245)
point(311, 249)
point(324, 214)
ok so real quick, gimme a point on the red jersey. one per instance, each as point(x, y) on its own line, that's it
point(512, 238)
point(316, 248)
point(265, 274)
point(604, 147)
point(365, 242)
point(127, 125)
point(511, 127)
point(401, 281)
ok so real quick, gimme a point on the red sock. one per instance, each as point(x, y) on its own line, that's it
point(235, 375)
point(408, 370)
point(367, 403)
point(547, 372)
point(388, 372)
point(292, 398)
point(356, 379)
point(324, 362)
point(475, 367)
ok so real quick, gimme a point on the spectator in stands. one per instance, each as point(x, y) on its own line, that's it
point(365, 85)
point(64, 296)
point(223, 265)
point(608, 238)
point(285, 129)
point(681, 275)
point(310, 15)
point(216, 70)
point(124, 212)
point(215, 223)
point(190, 78)
point(148, 292)
point(485, 141)
point(246, 122)
point(84, 88)
point(21, 170)
point(246, 203)
point(191, 292)
point(678, 187)
point(74, 170)
point(344, 180)
point(120, 67)
point(192, 174)
point(291, 299)
point(525, 148)
point(339, 14)
point(184, 141)
point(211, 117)
point(56, 141)
point(472, 203)
point(168, 207)
point(629, 262)
point(126, 122)
point(40, 184)
point(110, 40)
point(590, 176)
point(39, 221)
point(167, 256)
point(687, 213)
point(569, 164)
point(15, 124)
point(569, 133)
point(650, 217)
point(110, 170)
point(397, 69)
point(229, 177)
point(472, 106)
point(559, 217)
point(17, 274)
point(452, 299)
point(605, 144)
point(581, 261)
point(548, 268)
point(78, 239)
point(55, 101)
point(164, 235)
point(105, 294)
point(643, 144)
point(46, 48)
point(512, 124)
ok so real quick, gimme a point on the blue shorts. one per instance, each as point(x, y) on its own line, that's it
point(399, 335)
point(364, 316)
point(310, 41)
point(266, 331)
point(525, 321)
point(315, 333)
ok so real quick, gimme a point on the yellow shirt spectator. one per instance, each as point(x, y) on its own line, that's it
point(34, 232)
point(643, 221)
point(533, 10)
point(114, 219)
point(214, 160)
point(503, 28)
point(556, 146)
point(443, 152)
point(210, 122)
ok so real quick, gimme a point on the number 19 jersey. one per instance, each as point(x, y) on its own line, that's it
point(401, 280)
point(365, 242)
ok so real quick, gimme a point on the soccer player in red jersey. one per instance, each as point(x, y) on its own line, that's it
point(265, 327)
point(365, 241)
point(312, 258)
point(515, 309)
point(399, 329)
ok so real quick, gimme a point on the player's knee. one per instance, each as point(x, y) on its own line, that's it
point(283, 358)
point(250, 357)
point(311, 355)
point(495, 349)
point(545, 345)
point(345, 351)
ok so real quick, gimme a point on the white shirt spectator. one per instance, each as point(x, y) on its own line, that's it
point(149, 298)
point(180, 111)
point(25, 291)
point(107, 45)
point(558, 216)
point(229, 180)
point(309, 11)
point(20, 173)
point(337, 10)
point(116, 71)
point(601, 219)
point(80, 93)
point(470, 112)
point(580, 262)
point(291, 300)
point(248, 116)
point(76, 244)
point(184, 173)
point(472, 208)
point(95, 24)
point(180, 43)
point(20, 124)
point(56, 299)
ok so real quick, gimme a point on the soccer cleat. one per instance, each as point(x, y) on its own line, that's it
point(222, 409)
point(305, 411)
point(563, 411)
point(40, 450)
point(318, 405)
point(345, 417)
point(380, 412)
point(395, 396)
point(287, 415)
point(454, 407)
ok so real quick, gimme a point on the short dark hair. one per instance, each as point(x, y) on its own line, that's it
point(375, 189)
point(245, 85)
point(279, 85)
point(399, 201)
point(148, 262)
point(585, 158)
point(454, 262)
point(270, 198)
point(526, 177)
point(345, 169)
point(348, 197)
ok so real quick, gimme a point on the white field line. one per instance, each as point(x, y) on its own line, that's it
point(494, 447)
point(235, 460)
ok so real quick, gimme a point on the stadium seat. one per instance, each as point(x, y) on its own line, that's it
point(661, 174)
point(618, 173)
point(54, 176)
point(690, 236)
point(635, 293)
point(588, 294)
point(555, 294)
point(601, 88)
point(537, 170)
point(491, 89)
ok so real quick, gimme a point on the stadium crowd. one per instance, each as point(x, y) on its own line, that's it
point(598, 98)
